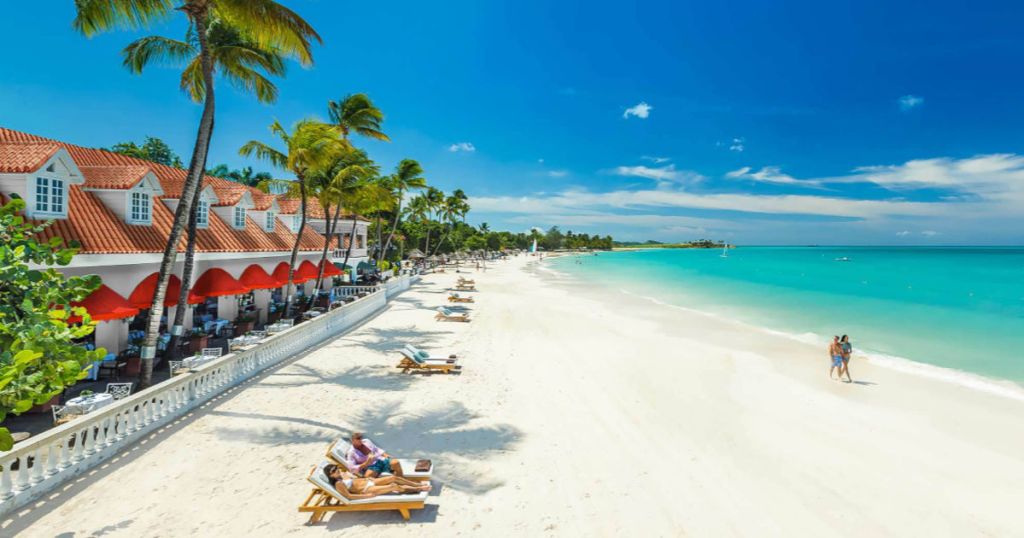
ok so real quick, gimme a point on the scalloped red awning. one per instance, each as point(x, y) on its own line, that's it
point(105, 304)
point(306, 271)
point(217, 282)
point(142, 296)
point(257, 279)
point(332, 270)
point(281, 273)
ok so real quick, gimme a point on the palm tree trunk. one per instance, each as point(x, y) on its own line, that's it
point(331, 227)
point(443, 239)
point(177, 330)
point(426, 248)
point(290, 289)
point(394, 227)
point(351, 241)
point(181, 213)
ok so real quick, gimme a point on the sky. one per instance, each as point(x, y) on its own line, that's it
point(752, 122)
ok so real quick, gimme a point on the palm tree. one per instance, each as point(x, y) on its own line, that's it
point(312, 148)
point(265, 22)
point(408, 175)
point(347, 175)
point(453, 210)
point(239, 60)
point(433, 198)
point(367, 196)
point(418, 210)
point(357, 114)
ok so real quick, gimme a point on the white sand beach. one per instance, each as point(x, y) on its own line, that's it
point(577, 413)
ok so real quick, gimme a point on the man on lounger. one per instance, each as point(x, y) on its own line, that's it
point(368, 460)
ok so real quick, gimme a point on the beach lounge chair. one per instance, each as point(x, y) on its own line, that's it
point(464, 287)
point(443, 314)
point(339, 449)
point(426, 356)
point(467, 281)
point(456, 298)
point(325, 499)
point(410, 361)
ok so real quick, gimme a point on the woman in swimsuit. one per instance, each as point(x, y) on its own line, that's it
point(353, 487)
point(847, 349)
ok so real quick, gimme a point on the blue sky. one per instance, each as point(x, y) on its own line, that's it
point(756, 122)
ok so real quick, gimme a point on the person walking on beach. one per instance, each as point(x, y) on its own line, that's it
point(835, 352)
point(847, 349)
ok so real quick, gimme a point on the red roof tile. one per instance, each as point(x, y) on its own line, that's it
point(24, 157)
point(113, 177)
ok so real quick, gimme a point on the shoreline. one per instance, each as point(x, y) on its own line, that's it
point(574, 414)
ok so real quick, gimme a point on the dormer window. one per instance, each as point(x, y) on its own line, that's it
point(141, 208)
point(296, 222)
point(203, 214)
point(269, 224)
point(239, 217)
point(50, 196)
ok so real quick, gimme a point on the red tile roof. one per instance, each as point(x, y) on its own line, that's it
point(23, 157)
point(113, 177)
point(101, 231)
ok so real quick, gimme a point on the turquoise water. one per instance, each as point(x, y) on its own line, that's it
point(957, 308)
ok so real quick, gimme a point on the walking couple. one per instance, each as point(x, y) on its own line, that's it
point(839, 350)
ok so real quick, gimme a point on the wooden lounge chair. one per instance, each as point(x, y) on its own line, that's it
point(466, 281)
point(325, 499)
point(339, 450)
point(443, 314)
point(464, 287)
point(412, 362)
point(456, 298)
point(424, 355)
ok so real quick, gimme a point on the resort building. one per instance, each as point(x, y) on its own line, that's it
point(120, 209)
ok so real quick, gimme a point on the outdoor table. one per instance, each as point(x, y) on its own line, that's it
point(87, 404)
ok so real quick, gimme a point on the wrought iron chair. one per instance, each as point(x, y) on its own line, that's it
point(119, 390)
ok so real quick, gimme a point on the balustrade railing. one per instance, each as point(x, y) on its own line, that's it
point(40, 463)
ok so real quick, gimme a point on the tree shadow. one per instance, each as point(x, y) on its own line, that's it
point(357, 377)
point(390, 340)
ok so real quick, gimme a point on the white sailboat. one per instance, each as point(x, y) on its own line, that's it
point(725, 251)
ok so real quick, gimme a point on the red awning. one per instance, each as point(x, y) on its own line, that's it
point(306, 271)
point(281, 273)
point(331, 269)
point(257, 279)
point(142, 297)
point(217, 282)
point(105, 304)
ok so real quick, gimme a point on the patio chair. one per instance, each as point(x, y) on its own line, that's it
point(119, 390)
point(113, 366)
point(338, 452)
point(177, 368)
point(411, 362)
point(443, 314)
point(212, 352)
point(325, 499)
point(59, 416)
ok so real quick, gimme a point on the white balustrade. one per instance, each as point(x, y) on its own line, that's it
point(43, 462)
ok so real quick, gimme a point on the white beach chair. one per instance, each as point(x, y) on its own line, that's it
point(325, 499)
point(410, 361)
point(443, 314)
point(338, 451)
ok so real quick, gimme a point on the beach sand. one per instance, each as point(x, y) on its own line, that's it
point(578, 413)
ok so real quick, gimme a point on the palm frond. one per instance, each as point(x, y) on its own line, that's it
point(141, 52)
point(262, 151)
point(95, 16)
point(250, 81)
point(272, 26)
point(192, 81)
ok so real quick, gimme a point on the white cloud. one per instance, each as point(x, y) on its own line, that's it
point(655, 160)
point(903, 233)
point(664, 173)
point(642, 111)
point(462, 146)
point(930, 233)
point(910, 102)
point(769, 174)
point(541, 161)
point(737, 145)
point(558, 173)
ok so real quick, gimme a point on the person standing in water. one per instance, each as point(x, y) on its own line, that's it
point(847, 349)
point(835, 353)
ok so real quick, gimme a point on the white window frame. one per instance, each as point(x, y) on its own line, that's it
point(53, 202)
point(296, 221)
point(203, 214)
point(238, 218)
point(140, 208)
point(268, 224)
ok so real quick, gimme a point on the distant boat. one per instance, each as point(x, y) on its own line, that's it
point(725, 252)
point(843, 259)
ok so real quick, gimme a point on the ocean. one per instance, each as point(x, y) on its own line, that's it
point(951, 312)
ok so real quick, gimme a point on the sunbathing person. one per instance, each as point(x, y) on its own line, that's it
point(368, 460)
point(365, 488)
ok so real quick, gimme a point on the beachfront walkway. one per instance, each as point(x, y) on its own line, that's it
point(575, 415)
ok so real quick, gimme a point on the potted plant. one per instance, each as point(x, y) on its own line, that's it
point(244, 324)
point(197, 340)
